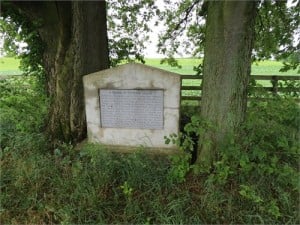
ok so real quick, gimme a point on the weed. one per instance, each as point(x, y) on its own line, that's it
point(127, 190)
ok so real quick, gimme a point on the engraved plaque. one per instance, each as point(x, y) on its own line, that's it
point(141, 109)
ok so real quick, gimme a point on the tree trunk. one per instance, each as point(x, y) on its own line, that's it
point(75, 37)
point(82, 49)
point(227, 64)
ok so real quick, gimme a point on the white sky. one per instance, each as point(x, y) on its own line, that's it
point(151, 47)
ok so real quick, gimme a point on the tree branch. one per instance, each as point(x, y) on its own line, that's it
point(187, 13)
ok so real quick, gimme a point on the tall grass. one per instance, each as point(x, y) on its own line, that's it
point(254, 180)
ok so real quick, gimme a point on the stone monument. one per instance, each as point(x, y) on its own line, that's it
point(132, 105)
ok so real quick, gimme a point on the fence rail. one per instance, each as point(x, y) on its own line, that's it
point(274, 80)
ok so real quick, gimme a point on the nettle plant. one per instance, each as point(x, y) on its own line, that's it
point(187, 142)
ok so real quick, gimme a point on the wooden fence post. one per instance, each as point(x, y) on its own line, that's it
point(274, 82)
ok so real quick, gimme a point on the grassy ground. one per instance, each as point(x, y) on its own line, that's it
point(186, 63)
point(270, 68)
point(260, 68)
point(9, 66)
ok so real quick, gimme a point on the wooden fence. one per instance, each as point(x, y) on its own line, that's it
point(274, 81)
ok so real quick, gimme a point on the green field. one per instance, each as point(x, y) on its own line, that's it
point(10, 66)
point(261, 68)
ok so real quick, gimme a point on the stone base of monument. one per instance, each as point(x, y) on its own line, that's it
point(130, 149)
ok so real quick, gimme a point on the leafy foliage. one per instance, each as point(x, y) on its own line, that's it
point(277, 27)
point(21, 39)
point(183, 19)
point(22, 113)
point(128, 29)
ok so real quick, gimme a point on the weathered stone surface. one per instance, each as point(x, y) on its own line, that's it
point(131, 80)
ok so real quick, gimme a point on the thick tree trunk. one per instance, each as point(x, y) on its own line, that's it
point(227, 64)
point(75, 37)
point(82, 48)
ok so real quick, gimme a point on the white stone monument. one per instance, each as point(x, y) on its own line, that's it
point(132, 105)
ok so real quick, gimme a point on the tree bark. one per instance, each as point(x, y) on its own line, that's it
point(75, 37)
point(227, 64)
